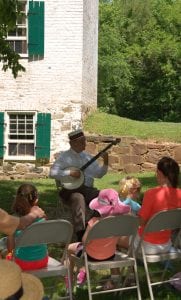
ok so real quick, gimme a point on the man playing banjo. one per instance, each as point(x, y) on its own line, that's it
point(77, 186)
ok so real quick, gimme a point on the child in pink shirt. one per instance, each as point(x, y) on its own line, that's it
point(106, 204)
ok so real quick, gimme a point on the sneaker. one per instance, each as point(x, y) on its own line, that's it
point(81, 277)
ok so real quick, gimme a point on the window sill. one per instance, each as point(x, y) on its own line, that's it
point(20, 158)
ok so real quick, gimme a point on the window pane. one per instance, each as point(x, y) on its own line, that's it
point(21, 149)
point(12, 117)
point(22, 6)
point(13, 128)
point(11, 43)
point(21, 128)
point(12, 33)
point(21, 32)
point(12, 149)
point(21, 20)
point(18, 46)
point(30, 149)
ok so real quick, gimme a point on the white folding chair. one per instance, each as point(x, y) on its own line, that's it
point(52, 231)
point(165, 220)
point(124, 225)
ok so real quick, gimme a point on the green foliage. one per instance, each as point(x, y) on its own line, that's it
point(9, 11)
point(139, 54)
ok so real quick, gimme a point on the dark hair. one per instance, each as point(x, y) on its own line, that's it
point(170, 169)
point(25, 198)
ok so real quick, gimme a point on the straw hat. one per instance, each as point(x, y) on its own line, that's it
point(107, 203)
point(76, 134)
point(15, 283)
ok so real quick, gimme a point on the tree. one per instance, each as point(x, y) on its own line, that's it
point(9, 11)
point(139, 54)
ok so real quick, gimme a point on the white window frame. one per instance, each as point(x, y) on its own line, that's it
point(7, 140)
point(21, 38)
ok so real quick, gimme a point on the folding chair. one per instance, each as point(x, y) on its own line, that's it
point(165, 220)
point(124, 225)
point(52, 231)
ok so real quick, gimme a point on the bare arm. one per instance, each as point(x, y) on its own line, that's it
point(88, 228)
point(36, 212)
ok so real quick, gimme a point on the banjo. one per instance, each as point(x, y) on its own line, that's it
point(70, 183)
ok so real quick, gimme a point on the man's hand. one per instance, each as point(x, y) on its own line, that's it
point(105, 157)
point(75, 173)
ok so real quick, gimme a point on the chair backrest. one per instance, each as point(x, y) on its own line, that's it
point(51, 231)
point(125, 225)
point(167, 219)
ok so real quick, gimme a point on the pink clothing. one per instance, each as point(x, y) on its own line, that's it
point(156, 200)
point(101, 249)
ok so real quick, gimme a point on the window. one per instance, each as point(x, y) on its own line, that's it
point(28, 37)
point(20, 135)
point(24, 135)
point(18, 37)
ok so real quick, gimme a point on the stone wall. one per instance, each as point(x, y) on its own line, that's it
point(132, 155)
point(129, 156)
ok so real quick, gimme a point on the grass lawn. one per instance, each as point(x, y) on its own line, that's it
point(108, 124)
point(47, 200)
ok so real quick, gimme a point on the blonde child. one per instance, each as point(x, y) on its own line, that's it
point(129, 190)
point(31, 257)
point(106, 204)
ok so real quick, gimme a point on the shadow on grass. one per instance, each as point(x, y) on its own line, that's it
point(46, 189)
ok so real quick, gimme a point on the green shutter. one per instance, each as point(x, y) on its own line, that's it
point(43, 129)
point(1, 134)
point(36, 28)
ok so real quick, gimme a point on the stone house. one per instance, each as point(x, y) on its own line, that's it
point(57, 42)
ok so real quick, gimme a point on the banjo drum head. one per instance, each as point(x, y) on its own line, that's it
point(71, 183)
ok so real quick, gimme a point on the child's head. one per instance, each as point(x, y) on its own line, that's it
point(107, 203)
point(26, 197)
point(129, 187)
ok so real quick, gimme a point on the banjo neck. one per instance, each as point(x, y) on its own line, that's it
point(115, 142)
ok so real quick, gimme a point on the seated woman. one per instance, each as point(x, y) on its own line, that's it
point(31, 257)
point(163, 197)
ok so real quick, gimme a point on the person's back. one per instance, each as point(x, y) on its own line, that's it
point(164, 197)
point(158, 199)
point(30, 257)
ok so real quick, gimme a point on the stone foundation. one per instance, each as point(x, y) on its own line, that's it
point(129, 156)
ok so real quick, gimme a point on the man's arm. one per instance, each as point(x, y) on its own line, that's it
point(57, 170)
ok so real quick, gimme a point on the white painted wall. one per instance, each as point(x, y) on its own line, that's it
point(64, 83)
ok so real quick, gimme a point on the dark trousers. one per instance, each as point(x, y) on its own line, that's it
point(78, 200)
